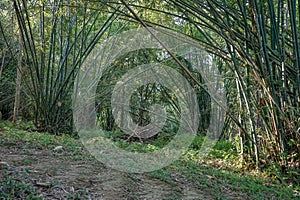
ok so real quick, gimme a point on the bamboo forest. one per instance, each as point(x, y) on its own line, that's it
point(150, 99)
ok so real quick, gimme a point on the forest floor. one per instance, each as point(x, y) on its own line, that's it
point(31, 168)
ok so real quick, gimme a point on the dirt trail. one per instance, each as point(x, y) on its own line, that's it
point(54, 176)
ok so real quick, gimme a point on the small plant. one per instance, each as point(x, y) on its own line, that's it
point(81, 194)
point(13, 188)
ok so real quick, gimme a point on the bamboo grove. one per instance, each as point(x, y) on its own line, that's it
point(254, 42)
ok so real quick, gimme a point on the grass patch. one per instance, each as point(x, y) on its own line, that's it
point(12, 188)
point(222, 183)
point(13, 135)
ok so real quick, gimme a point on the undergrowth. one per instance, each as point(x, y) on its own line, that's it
point(220, 172)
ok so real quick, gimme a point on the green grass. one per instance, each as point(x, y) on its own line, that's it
point(219, 180)
point(12, 135)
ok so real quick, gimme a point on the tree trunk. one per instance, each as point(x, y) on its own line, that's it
point(18, 81)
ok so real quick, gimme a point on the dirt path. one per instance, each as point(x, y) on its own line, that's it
point(55, 176)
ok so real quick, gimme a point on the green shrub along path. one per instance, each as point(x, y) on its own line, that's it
point(43, 166)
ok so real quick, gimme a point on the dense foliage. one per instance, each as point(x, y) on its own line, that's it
point(254, 42)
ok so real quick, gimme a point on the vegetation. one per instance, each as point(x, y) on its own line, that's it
point(253, 43)
point(211, 175)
